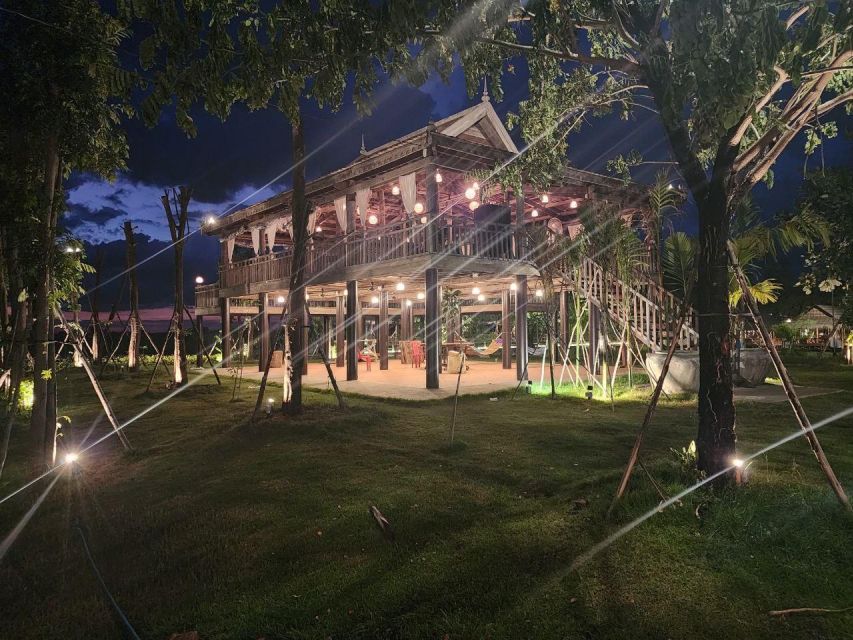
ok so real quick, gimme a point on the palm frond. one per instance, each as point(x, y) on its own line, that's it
point(763, 292)
point(679, 263)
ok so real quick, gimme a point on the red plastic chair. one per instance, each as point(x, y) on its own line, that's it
point(417, 353)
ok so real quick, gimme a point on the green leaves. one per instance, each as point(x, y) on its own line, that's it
point(679, 263)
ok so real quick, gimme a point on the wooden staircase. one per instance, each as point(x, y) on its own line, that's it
point(650, 310)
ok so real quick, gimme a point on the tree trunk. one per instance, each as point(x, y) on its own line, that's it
point(39, 427)
point(715, 441)
point(296, 300)
point(133, 320)
point(178, 223)
point(94, 316)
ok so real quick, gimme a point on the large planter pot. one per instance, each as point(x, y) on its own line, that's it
point(755, 364)
point(683, 374)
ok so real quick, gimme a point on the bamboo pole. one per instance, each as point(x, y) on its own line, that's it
point(793, 398)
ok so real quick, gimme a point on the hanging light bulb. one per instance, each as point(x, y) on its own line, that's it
point(423, 219)
point(374, 300)
point(539, 293)
point(475, 291)
point(438, 177)
point(473, 205)
point(400, 286)
point(513, 287)
point(476, 186)
point(318, 229)
point(470, 192)
point(372, 219)
point(544, 198)
point(280, 299)
point(419, 207)
point(395, 190)
point(408, 303)
point(573, 204)
point(534, 213)
point(420, 295)
point(481, 297)
point(306, 295)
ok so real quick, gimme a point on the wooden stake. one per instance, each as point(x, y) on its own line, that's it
point(456, 399)
point(793, 398)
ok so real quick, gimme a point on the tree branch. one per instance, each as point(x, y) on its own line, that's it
point(799, 13)
point(781, 78)
point(662, 8)
point(838, 100)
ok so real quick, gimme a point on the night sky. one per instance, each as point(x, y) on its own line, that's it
point(246, 159)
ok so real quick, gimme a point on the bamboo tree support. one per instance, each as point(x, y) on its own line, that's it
point(198, 337)
point(90, 372)
point(282, 322)
point(650, 410)
point(160, 354)
point(456, 399)
point(154, 345)
point(793, 398)
point(322, 349)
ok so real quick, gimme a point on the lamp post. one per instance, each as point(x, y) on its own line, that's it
point(199, 358)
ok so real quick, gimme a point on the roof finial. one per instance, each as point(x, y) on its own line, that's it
point(485, 96)
point(363, 148)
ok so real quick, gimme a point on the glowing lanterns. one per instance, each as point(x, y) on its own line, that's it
point(473, 205)
point(470, 192)
point(539, 293)
point(419, 207)
point(438, 177)
point(481, 297)
point(544, 198)
point(372, 219)
point(400, 286)
point(395, 190)
point(280, 300)
point(475, 291)
point(420, 295)
point(374, 300)
point(573, 204)
point(534, 213)
point(199, 280)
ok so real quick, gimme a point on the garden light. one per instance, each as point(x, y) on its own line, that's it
point(374, 300)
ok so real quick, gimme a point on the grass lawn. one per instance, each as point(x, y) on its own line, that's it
point(244, 531)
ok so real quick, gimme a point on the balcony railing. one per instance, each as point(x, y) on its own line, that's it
point(390, 242)
point(207, 295)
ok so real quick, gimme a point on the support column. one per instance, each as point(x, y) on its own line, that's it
point(433, 329)
point(521, 327)
point(199, 358)
point(405, 314)
point(432, 209)
point(383, 330)
point(506, 330)
point(264, 337)
point(225, 310)
point(351, 324)
point(340, 339)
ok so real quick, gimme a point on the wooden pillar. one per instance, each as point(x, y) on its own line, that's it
point(521, 327)
point(432, 210)
point(506, 329)
point(340, 339)
point(433, 329)
point(327, 334)
point(264, 337)
point(225, 310)
point(406, 320)
point(352, 320)
point(383, 330)
point(520, 250)
point(199, 358)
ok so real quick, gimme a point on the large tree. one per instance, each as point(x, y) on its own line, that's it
point(734, 82)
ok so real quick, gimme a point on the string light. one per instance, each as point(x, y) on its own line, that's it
point(372, 219)
point(423, 219)
point(408, 303)
point(318, 229)
point(476, 186)
point(395, 190)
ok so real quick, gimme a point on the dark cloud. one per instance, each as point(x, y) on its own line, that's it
point(79, 214)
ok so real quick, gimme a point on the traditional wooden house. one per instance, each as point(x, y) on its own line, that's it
point(396, 225)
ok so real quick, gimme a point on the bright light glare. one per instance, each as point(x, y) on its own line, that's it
point(438, 177)
point(400, 286)
point(419, 207)
point(539, 293)
point(473, 205)
point(534, 213)
point(408, 303)
point(573, 204)
point(476, 186)
point(423, 219)
point(476, 291)
point(395, 190)
point(737, 462)
point(545, 198)
point(199, 280)
point(280, 299)
point(481, 297)
point(210, 220)
point(513, 287)
point(470, 192)
point(374, 300)
point(373, 219)
point(420, 295)
point(71, 458)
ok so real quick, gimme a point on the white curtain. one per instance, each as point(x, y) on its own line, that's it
point(362, 203)
point(270, 231)
point(312, 221)
point(409, 192)
point(341, 212)
point(256, 239)
point(230, 241)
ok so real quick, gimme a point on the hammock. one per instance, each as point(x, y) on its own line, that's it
point(495, 345)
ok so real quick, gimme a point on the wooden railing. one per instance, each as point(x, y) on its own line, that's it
point(207, 295)
point(390, 242)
